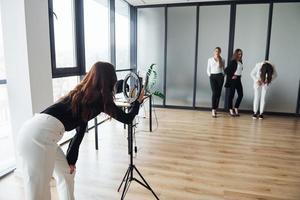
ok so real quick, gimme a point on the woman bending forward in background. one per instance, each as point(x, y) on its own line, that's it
point(262, 74)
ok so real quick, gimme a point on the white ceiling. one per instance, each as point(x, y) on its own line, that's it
point(151, 2)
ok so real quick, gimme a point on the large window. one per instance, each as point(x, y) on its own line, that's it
point(96, 31)
point(61, 86)
point(80, 35)
point(122, 35)
point(64, 31)
point(7, 155)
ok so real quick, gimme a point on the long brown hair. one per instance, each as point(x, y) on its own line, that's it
point(96, 87)
point(266, 71)
point(235, 55)
point(221, 63)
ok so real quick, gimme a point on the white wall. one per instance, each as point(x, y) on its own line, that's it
point(27, 58)
point(38, 49)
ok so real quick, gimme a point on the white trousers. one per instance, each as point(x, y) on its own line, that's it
point(41, 157)
point(259, 98)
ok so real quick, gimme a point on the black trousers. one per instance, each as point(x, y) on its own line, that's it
point(236, 85)
point(216, 83)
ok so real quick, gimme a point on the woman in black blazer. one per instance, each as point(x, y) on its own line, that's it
point(233, 81)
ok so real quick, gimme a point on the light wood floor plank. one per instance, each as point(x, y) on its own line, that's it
point(190, 156)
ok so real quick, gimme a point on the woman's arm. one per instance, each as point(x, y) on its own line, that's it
point(208, 68)
point(231, 69)
point(123, 117)
point(73, 149)
point(127, 118)
point(254, 72)
point(275, 74)
point(228, 68)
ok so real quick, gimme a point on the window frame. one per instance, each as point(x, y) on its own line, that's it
point(130, 11)
point(79, 69)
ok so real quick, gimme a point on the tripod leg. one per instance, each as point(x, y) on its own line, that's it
point(126, 185)
point(125, 177)
point(148, 186)
point(125, 190)
point(143, 184)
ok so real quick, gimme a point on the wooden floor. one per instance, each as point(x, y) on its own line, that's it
point(190, 156)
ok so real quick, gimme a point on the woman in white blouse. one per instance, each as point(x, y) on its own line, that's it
point(215, 71)
point(262, 74)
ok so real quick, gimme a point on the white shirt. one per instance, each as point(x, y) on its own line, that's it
point(239, 69)
point(255, 73)
point(213, 66)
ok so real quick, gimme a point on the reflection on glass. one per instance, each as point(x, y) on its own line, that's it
point(122, 17)
point(64, 33)
point(96, 29)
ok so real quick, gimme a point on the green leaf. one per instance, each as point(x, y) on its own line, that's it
point(159, 94)
point(152, 77)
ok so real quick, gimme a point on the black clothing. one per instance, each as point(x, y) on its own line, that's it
point(63, 112)
point(216, 83)
point(229, 71)
point(235, 84)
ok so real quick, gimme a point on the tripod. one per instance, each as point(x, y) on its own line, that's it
point(128, 178)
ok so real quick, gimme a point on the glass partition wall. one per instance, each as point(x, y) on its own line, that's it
point(284, 53)
point(181, 35)
point(181, 38)
point(251, 37)
point(150, 43)
point(209, 37)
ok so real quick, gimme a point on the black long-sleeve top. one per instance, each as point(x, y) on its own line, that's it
point(229, 71)
point(63, 112)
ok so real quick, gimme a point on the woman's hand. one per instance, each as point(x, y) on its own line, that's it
point(259, 82)
point(72, 169)
point(142, 97)
point(234, 77)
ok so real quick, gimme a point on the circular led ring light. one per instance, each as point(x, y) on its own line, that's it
point(137, 87)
